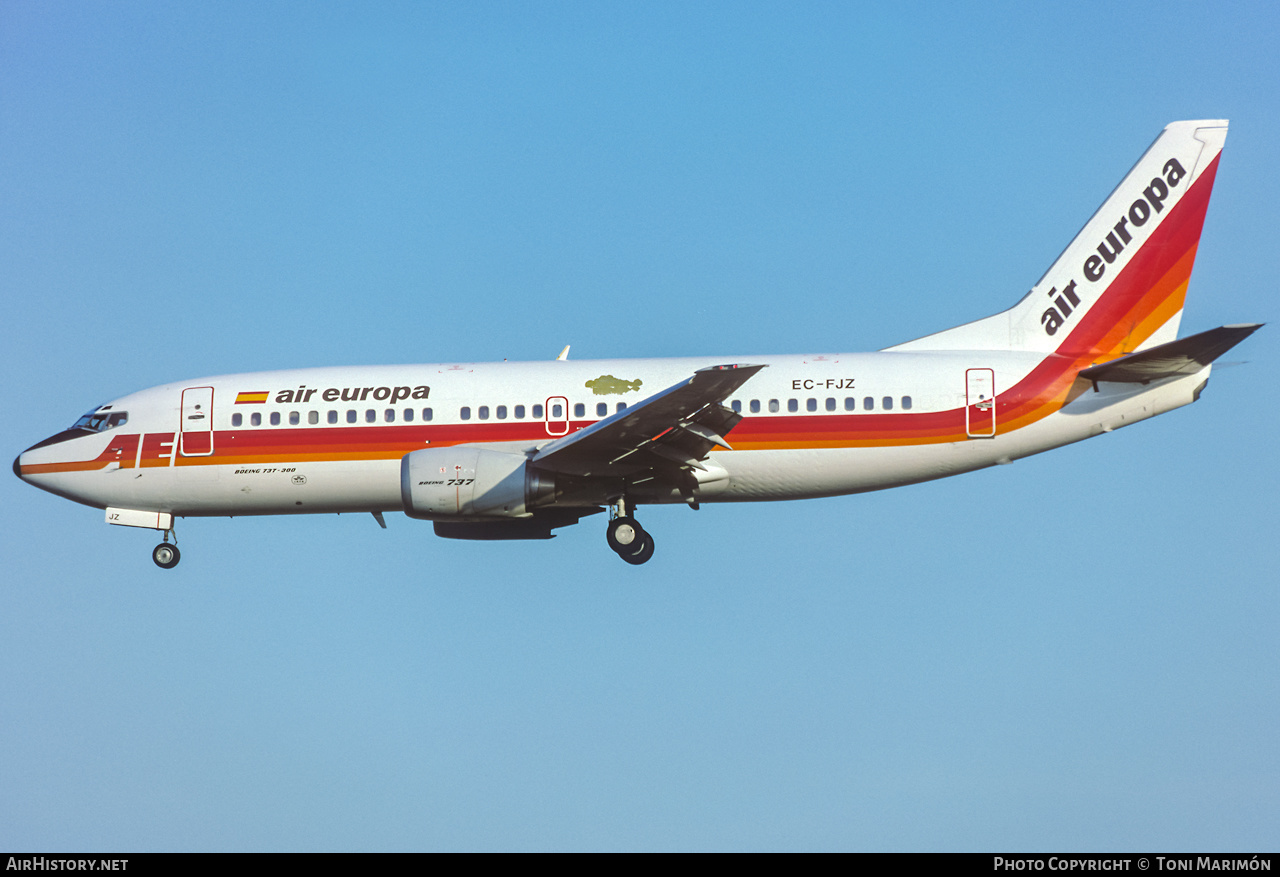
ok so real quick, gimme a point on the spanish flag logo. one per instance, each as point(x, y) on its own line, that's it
point(252, 398)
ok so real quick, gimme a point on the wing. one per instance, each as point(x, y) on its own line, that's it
point(1185, 356)
point(675, 428)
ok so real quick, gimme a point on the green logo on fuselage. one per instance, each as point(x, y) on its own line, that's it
point(607, 385)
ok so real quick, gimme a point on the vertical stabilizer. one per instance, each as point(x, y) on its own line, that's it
point(1120, 285)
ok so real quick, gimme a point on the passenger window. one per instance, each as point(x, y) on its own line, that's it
point(774, 407)
point(294, 418)
point(333, 416)
point(519, 412)
point(622, 406)
point(484, 412)
point(275, 418)
point(906, 403)
point(537, 411)
point(426, 413)
point(408, 415)
point(755, 406)
point(811, 404)
point(389, 415)
point(602, 409)
point(351, 415)
point(888, 403)
point(465, 413)
point(237, 419)
point(255, 419)
point(313, 417)
point(556, 410)
point(850, 403)
point(736, 405)
point(868, 404)
point(370, 416)
point(831, 403)
point(502, 412)
point(793, 405)
point(579, 410)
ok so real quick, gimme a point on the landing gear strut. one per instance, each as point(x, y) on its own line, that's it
point(626, 537)
point(165, 555)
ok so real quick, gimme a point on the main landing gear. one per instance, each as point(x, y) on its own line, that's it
point(626, 537)
point(165, 555)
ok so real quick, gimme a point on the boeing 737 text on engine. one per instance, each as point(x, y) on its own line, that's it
point(516, 450)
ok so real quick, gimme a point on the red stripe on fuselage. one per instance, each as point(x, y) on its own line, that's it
point(1117, 323)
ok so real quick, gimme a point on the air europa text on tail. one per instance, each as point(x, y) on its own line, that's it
point(1110, 248)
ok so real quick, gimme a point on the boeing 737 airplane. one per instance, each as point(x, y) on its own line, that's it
point(515, 450)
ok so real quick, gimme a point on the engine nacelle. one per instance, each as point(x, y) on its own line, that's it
point(467, 482)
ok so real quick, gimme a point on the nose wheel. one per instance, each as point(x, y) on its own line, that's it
point(628, 539)
point(165, 555)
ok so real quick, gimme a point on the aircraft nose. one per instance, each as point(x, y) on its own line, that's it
point(17, 465)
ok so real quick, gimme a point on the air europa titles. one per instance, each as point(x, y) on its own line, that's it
point(1110, 247)
point(352, 394)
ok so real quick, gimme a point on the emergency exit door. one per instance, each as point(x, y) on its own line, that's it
point(557, 415)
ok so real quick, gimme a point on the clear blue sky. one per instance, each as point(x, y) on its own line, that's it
point(1077, 651)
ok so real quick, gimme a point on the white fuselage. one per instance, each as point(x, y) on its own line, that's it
point(514, 450)
point(332, 439)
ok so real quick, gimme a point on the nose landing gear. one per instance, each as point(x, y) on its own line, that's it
point(627, 538)
point(165, 555)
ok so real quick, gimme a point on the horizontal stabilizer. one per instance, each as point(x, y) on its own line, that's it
point(1186, 356)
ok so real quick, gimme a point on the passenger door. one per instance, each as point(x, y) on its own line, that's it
point(980, 403)
point(196, 426)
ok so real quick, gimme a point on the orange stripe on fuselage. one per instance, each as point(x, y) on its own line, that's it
point(76, 466)
point(1144, 296)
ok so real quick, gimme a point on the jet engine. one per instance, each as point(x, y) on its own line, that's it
point(470, 483)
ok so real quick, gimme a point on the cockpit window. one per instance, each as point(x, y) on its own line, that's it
point(99, 421)
point(93, 422)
